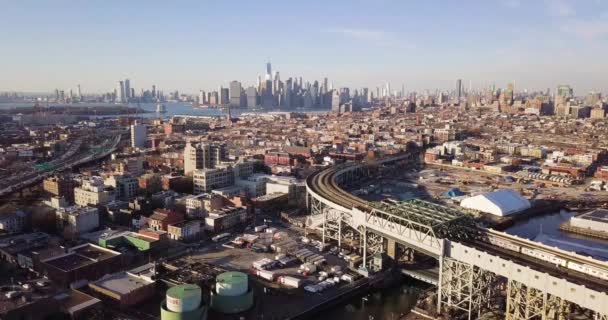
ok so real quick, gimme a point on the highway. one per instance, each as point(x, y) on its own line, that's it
point(66, 161)
point(324, 184)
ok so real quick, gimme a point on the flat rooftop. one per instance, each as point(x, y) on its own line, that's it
point(122, 283)
point(80, 256)
point(597, 215)
point(75, 300)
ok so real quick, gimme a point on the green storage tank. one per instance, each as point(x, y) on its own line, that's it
point(232, 293)
point(183, 302)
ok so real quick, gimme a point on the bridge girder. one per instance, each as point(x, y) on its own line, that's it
point(527, 303)
point(465, 287)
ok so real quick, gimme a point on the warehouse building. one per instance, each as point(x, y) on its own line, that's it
point(128, 287)
point(595, 220)
point(81, 263)
point(499, 203)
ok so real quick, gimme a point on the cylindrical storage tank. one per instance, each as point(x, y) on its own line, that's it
point(231, 284)
point(184, 298)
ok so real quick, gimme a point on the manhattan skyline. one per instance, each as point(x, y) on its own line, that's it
point(191, 46)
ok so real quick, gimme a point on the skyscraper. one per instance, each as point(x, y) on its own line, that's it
point(202, 99)
point(138, 135)
point(268, 71)
point(236, 92)
point(127, 89)
point(224, 96)
point(335, 101)
point(120, 92)
point(458, 89)
point(252, 97)
point(78, 93)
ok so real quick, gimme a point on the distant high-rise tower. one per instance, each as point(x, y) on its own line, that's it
point(458, 89)
point(236, 93)
point(201, 97)
point(335, 101)
point(138, 135)
point(224, 96)
point(127, 89)
point(268, 71)
point(252, 97)
point(79, 93)
point(120, 92)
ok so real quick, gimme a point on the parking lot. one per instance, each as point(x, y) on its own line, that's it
point(228, 255)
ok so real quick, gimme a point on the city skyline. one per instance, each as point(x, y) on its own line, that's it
point(189, 47)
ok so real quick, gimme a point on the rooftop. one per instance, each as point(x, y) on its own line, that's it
point(80, 256)
point(122, 282)
point(75, 300)
point(598, 215)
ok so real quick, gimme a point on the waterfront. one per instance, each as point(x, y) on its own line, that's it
point(172, 108)
point(379, 304)
point(545, 229)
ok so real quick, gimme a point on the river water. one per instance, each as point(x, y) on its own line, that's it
point(173, 109)
point(545, 229)
point(380, 304)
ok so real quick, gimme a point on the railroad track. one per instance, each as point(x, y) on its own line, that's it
point(324, 183)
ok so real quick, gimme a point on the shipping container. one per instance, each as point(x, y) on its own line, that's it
point(290, 281)
point(265, 274)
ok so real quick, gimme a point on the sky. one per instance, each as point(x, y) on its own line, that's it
point(194, 45)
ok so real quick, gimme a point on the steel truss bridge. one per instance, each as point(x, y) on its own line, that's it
point(541, 282)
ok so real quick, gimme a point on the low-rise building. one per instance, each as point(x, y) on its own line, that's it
point(93, 192)
point(73, 221)
point(205, 180)
point(125, 186)
point(60, 186)
point(162, 218)
point(13, 220)
point(225, 218)
point(128, 288)
point(86, 262)
point(185, 230)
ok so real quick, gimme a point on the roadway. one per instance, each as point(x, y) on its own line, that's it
point(67, 161)
point(324, 184)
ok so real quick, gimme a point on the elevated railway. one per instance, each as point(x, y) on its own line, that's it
point(585, 278)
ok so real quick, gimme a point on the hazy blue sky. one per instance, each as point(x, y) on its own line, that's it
point(192, 45)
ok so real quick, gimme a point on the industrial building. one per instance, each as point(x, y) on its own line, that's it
point(183, 302)
point(128, 287)
point(595, 220)
point(113, 239)
point(81, 263)
point(499, 203)
point(232, 293)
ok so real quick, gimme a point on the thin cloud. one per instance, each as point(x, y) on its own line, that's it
point(587, 29)
point(373, 37)
point(559, 8)
point(511, 3)
point(359, 34)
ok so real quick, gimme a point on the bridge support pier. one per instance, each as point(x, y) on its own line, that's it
point(598, 316)
point(371, 243)
point(464, 286)
point(391, 249)
point(524, 303)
